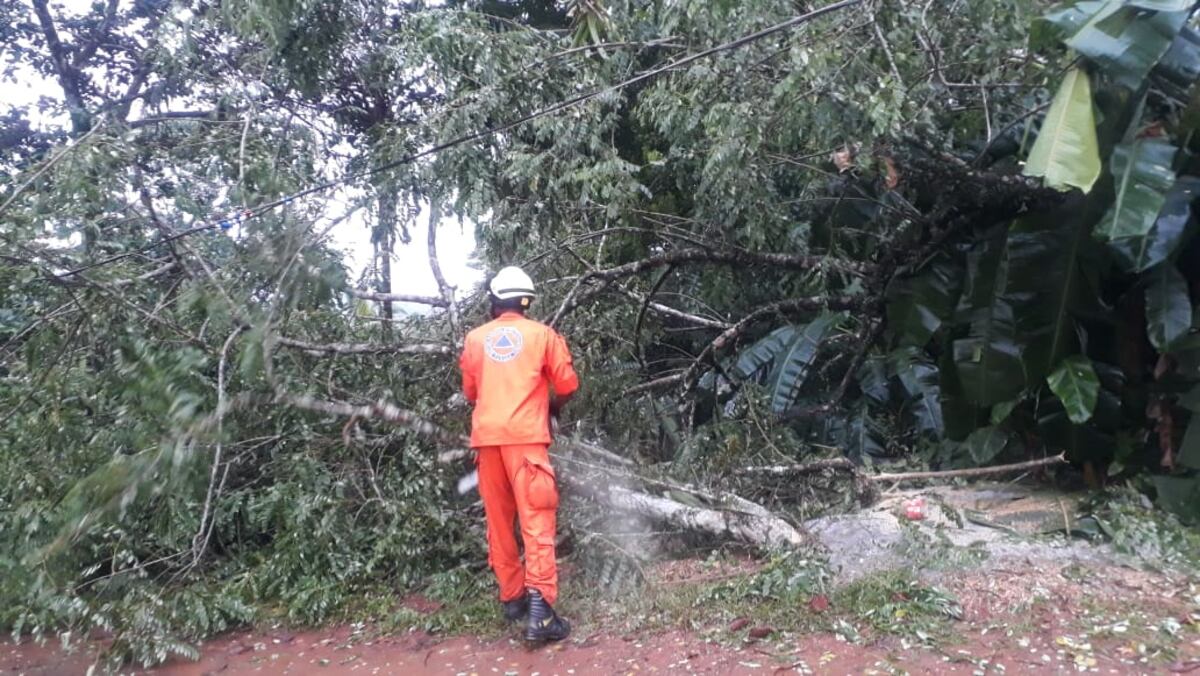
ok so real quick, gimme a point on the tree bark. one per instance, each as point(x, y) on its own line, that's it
point(384, 241)
point(68, 74)
point(759, 530)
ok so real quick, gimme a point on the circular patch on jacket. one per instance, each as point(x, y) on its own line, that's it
point(503, 343)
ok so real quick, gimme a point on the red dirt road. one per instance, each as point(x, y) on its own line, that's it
point(337, 651)
point(1112, 623)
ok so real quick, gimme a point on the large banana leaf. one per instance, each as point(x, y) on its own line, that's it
point(1142, 173)
point(753, 362)
point(1068, 19)
point(757, 358)
point(920, 380)
point(1066, 152)
point(1127, 41)
point(959, 416)
point(1053, 265)
point(1179, 68)
point(791, 368)
point(1168, 306)
point(1076, 385)
point(858, 434)
point(1162, 5)
point(1138, 253)
point(919, 305)
point(873, 381)
point(987, 362)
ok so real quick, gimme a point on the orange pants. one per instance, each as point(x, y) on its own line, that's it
point(517, 482)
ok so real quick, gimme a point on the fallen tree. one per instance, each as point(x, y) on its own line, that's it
point(719, 515)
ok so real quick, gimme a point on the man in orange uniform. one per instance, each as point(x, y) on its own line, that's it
point(508, 367)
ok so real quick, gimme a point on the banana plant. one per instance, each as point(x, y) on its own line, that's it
point(780, 361)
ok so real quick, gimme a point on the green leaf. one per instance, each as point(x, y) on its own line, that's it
point(1138, 253)
point(1075, 383)
point(860, 435)
point(1053, 262)
point(1189, 448)
point(1180, 66)
point(1127, 42)
point(918, 306)
point(959, 416)
point(792, 369)
point(986, 443)
point(1162, 5)
point(1168, 306)
point(987, 362)
point(920, 380)
point(250, 364)
point(1143, 175)
point(1068, 19)
point(760, 355)
point(1066, 153)
point(1001, 411)
point(873, 381)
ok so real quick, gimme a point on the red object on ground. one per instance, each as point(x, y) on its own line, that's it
point(914, 509)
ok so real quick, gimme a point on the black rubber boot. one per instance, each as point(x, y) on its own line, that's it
point(544, 624)
point(516, 609)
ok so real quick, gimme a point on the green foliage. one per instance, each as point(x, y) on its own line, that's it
point(1065, 152)
point(985, 443)
point(1126, 41)
point(1125, 517)
point(790, 579)
point(1168, 306)
point(896, 603)
point(1075, 383)
point(1142, 170)
point(1141, 251)
point(134, 504)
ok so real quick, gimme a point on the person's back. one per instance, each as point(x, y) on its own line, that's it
point(512, 361)
point(509, 366)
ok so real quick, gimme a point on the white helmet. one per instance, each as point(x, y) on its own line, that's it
point(511, 282)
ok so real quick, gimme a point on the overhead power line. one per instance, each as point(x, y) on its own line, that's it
point(481, 134)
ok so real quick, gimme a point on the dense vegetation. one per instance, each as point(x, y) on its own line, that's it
point(937, 233)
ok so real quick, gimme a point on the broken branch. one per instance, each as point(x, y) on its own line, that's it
point(364, 348)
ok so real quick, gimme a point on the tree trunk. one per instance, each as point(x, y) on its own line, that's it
point(384, 240)
point(754, 527)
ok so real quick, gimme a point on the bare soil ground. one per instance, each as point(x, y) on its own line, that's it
point(1034, 620)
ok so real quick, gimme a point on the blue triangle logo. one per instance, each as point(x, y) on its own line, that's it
point(504, 341)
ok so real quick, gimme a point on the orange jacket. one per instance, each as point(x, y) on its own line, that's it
point(508, 366)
